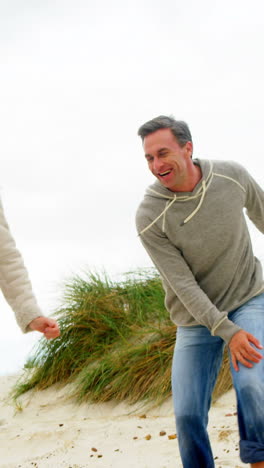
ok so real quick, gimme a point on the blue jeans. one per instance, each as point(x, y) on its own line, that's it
point(196, 363)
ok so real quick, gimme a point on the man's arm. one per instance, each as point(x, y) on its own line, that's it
point(240, 344)
point(177, 274)
point(254, 202)
point(16, 286)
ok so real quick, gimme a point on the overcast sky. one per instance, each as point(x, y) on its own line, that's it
point(77, 78)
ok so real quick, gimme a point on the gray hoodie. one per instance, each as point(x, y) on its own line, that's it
point(199, 242)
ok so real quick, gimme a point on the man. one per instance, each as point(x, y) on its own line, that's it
point(16, 286)
point(192, 224)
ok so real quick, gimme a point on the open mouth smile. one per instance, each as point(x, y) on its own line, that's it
point(162, 174)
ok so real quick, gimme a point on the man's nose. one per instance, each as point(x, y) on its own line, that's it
point(157, 164)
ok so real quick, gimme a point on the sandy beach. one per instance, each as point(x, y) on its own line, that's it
point(47, 429)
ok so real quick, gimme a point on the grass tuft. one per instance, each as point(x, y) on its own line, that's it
point(116, 343)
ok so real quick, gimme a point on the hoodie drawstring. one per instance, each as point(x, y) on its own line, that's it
point(168, 205)
point(198, 206)
point(181, 198)
point(185, 198)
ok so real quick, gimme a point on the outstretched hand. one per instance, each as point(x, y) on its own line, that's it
point(48, 326)
point(242, 351)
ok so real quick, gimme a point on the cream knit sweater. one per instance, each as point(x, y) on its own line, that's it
point(14, 280)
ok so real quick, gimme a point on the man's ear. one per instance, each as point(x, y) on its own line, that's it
point(189, 148)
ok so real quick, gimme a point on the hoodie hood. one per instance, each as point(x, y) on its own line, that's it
point(157, 190)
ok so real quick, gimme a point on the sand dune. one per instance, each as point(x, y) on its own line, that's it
point(52, 431)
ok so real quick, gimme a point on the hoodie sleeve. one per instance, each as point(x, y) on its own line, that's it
point(254, 203)
point(179, 277)
point(14, 280)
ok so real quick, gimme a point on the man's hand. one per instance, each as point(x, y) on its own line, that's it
point(48, 326)
point(242, 351)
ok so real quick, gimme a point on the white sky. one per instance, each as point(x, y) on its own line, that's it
point(77, 78)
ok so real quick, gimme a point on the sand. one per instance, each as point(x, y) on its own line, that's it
point(47, 429)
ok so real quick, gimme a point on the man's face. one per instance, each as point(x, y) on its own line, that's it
point(167, 160)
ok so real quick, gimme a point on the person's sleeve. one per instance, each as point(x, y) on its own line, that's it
point(14, 281)
point(254, 203)
point(175, 271)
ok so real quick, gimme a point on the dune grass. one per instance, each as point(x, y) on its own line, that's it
point(116, 343)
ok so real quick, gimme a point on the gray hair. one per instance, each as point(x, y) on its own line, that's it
point(178, 128)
